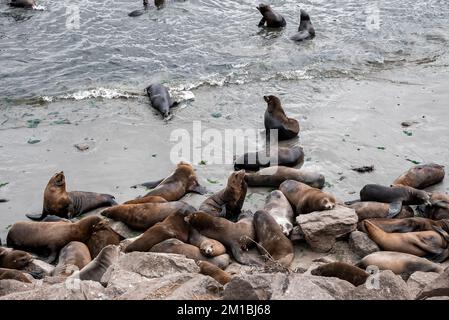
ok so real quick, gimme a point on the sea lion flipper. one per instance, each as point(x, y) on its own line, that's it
point(262, 22)
point(36, 217)
point(149, 185)
point(394, 209)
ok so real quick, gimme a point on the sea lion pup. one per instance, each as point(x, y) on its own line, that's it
point(236, 236)
point(149, 199)
point(50, 237)
point(275, 119)
point(271, 240)
point(274, 176)
point(95, 270)
point(102, 237)
point(213, 271)
point(305, 199)
point(403, 264)
point(421, 176)
point(59, 202)
point(282, 156)
point(14, 259)
point(305, 29)
point(372, 209)
point(227, 202)
point(209, 247)
point(344, 271)
point(160, 99)
point(27, 4)
point(277, 205)
point(190, 251)
point(414, 224)
point(271, 18)
point(145, 215)
point(174, 226)
point(12, 274)
point(431, 244)
point(73, 257)
point(439, 207)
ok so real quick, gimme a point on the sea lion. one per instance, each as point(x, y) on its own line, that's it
point(272, 241)
point(208, 247)
point(431, 244)
point(305, 29)
point(50, 237)
point(282, 156)
point(95, 270)
point(277, 205)
point(190, 251)
point(276, 119)
point(27, 4)
point(213, 271)
point(372, 209)
point(269, 17)
point(12, 274)
point(414, 224)
point(14, 259)
point(3, 200)
point(403, 264)
point(236, 236)
point(344, 271)
point(102, 236)
point(137, 13)
point(59, 202)
point(421, 176)
point(274, 176)
point(438, 208)
point(227, 202)
point(305, 199)
point(174, 226)
point(160, 99)
point(176, 185)
point(145, 215)
point(149, 199)
point(73, 257)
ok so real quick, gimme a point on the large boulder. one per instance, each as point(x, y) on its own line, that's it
point(418, 280)
point(13, 286)
point(361, 244)
point(322, 228)
point(437, 288)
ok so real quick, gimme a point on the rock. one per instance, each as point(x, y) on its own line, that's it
point(82, 146)
point(418, 280)
point(322, 228)
point(439, 298)
point(437, 288)
point(361, 244)
point(387, 286)
point(13, 286)
point(39, 269)
point(254, 287)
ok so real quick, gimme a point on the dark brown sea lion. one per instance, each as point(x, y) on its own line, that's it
point(149, 199)
point(282, 156)
point(271, 18)
point(274, 176)
point(102, 236)
point(50, 237)
point(372, 209)
point(12, 274)
point(272, 242)
point(145, 215)
point(73, 257)
point(276, 119)
point(174, 226)
point(343, 271)
point(421, 176)
point(414, 224)
point(438, 208)
point(14, 259)
point(59, 202)
point(209, 247)
point(27, 4)
point(213, 271)
point(305, 29)
point(95, 270)
point(227, 202)
point(190, 251)
point(277, 205)
point(305, 199)
point(236, 236)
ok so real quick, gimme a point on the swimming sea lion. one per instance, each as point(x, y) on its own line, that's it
point(59, 202)
point(102, 236)
point(421, 176)
point(305, 199)
point(149, 199)
point(276, 119)
point(414, 224)
point(372, 209)
point(271, 18)
point(282, 156)
point(209, 247)
point(438, 208)
point(12, 274)
point(277, 205)
point(14, 259)
point(227, 202)
point(160, 99)
point(95, 270)
point(272, 242)
point(28, 4)
point(343, 271)
point(213, 271)
point(145, 215)
point(305, 29)
point(274, 176)
point(73, 257)
point(137, 13)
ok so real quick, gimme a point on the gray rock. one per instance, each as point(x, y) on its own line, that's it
point(361, 244)
point(322, 228)
point(13, 286)
point(254, 287)
point(39, 268)
point(418, 280)
point(437, 288)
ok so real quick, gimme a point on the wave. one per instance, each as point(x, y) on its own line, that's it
point(104, 93)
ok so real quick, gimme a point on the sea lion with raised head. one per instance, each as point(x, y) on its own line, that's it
point(160, 99)
point(14, 259)
point(227, 202)
point(213, 271)
point(274, 176)
point(282, 156)
point(305, 29)
point(73, 257)
point(276, 119)
point(59, 202)
point(422, 176)
point(305, 199)
point(209, 247)
point(344, 271)
point(102, 236)
point(270, 18)
point(277, 205)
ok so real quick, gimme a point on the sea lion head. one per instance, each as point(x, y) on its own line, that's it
point(58, 180)
point(273, 102)
point(263, 8)
point(16, 259)
point(90, 223)
point(236, 179)
point(184, 171)
point(304, 16)
point(327, 203)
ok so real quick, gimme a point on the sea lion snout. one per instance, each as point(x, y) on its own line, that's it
point(266, 98)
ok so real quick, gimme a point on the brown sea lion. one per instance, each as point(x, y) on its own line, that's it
point(277, 205)
point(59, 202)
point(305, 199)
point(414, 224)
point(305, 29)
point(174, 226)
point(275, 119)
point(102, 236)
point(209, 247)
point(149, 199)
point(274, 176)
point(145, 215)
point(272, 242)
point(282, 156)
point(215, 272)
point(190, 251)
point(12, 274)
point(269, 17)
point(14, 259)
point(227, 202)
point(372, 209)
point(73, 257)
point(50, 237)
point(95, 270)
point(421, 176)
point(343, 271)
point(438, 208)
